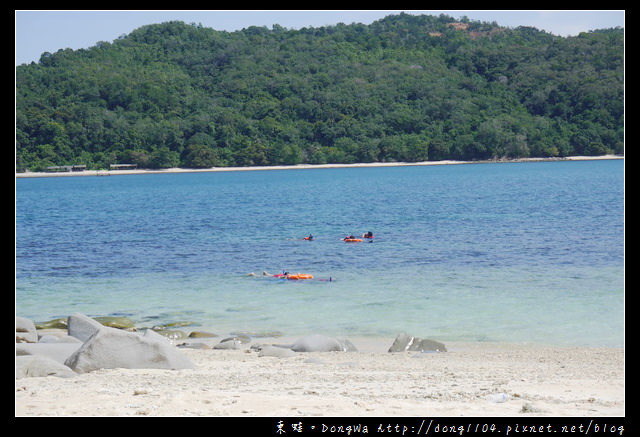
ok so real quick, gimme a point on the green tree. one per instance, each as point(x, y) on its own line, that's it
point(163, 157)
point(200, 156)
point(405, 88)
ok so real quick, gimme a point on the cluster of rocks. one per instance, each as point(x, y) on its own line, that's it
point(310, 343)
point(91, 344)
point(319, 343)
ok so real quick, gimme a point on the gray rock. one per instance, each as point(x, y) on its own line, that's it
point(322, 343)
point(404, 342)
point(56, 351)
point(25, 331)
point(82, 327)
point(24, 325)
point(228, 344)
point(110, 348)
point(201, 334)
point(275, 351)
point(244, 339)
point(37, 365)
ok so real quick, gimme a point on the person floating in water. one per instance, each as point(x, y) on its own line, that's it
point(310, 237)
point(368, 235)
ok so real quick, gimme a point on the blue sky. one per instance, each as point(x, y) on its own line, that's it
point(37, 32)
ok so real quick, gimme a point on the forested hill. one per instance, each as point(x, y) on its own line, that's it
point(404, 88)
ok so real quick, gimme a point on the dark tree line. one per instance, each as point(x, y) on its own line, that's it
point(405, 88)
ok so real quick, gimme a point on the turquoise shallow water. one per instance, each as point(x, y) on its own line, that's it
point(522, 252)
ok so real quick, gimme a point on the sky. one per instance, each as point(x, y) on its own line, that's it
point(37, 32)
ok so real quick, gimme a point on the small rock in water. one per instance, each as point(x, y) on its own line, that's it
point(53, 324)
point(201, 334)
point(119, 322)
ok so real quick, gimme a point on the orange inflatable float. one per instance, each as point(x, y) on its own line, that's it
point(299, 276)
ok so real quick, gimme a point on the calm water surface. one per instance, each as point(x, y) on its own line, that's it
point(521, 252)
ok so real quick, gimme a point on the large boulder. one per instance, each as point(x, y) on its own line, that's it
point(404, 342)
point(322, 343)
point(110, 348)
point(38, 365)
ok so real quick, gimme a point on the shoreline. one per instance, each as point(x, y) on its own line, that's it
point(303, 167)
point(470, 379)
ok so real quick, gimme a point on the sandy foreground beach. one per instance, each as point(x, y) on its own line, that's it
point(470, 379)
point(298, 167)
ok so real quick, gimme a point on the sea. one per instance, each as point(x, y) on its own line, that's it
point(518, 252)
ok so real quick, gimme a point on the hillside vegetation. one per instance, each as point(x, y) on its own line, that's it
point(404, 88)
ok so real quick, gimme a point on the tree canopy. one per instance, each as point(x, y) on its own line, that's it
point(404, 88)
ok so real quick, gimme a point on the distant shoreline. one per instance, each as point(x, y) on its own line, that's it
point(301, 167)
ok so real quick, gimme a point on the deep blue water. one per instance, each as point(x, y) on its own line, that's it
point(523, 252)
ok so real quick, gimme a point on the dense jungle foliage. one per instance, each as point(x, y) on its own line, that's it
point(404, 88)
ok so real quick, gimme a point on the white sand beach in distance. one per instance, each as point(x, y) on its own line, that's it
point(470, 379)
point(298, 167)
